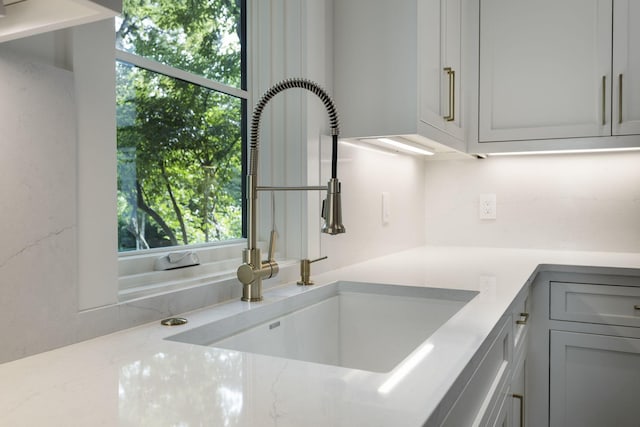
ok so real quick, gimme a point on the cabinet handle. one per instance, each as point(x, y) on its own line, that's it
point(452, 94)
point(523, 320)
point(636, 307)
point(620, 98)
point(604, 100)
point(521, 400)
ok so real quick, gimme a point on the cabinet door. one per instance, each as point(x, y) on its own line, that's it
point(626, 68)
point(594, 380)
point(518, 386)
point(545, 69)
point(502, 416)
point(375, 66)
point(440, 64)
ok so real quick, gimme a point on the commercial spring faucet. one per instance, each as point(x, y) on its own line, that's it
point(254, 269)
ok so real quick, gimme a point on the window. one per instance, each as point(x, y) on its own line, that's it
point(181, 101)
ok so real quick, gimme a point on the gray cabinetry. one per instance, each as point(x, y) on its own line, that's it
point(584, 359)
point(495, 394)
point(594, 380)
point(558, 75)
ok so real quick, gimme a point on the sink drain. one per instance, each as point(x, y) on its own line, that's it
point(174, 321)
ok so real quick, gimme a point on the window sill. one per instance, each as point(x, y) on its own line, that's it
point(157, 282)
point(138, 279)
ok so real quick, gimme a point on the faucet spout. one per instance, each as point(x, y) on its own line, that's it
point(253, 269)
point(332, 209)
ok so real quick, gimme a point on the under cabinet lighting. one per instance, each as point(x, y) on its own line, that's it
point(398, 144)
point(547, 152)
point(368, 147)
point(407, 146)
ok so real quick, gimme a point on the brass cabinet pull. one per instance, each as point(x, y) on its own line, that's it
point(521, 399)
point(523, 320)
point(452, 94)
point(604, 100)
point(620, 98)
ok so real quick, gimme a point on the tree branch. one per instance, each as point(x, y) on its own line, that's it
point(176, 208)
point(142, 205)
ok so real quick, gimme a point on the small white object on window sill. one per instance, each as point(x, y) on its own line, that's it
point(176, 260)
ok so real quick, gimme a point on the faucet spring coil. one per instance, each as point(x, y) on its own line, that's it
point(273, 91)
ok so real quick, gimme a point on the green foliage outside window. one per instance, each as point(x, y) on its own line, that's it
point(179, 143)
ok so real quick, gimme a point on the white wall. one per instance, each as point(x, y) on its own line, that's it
point(365, 175)
point(582, 202)
point(93, 61)
point(43, 269)
point(38, 296)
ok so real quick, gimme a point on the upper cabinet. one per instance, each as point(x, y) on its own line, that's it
point(626, 68)
point(389, 80)
point(28, 17)
point(440, 68)
point(545, 69)
point(558, 75)
point(491, 76)
point(375, 66)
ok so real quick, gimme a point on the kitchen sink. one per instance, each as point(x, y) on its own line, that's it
point(365, 326)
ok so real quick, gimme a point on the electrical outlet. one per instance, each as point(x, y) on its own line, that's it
point(488, 206)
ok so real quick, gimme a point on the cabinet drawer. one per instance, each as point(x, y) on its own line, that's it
point(611, 305)
point(486, 388)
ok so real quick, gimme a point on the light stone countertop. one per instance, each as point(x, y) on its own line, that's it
point(136, 378)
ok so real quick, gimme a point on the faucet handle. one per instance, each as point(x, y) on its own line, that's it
point(272, 245)
point(305, 271)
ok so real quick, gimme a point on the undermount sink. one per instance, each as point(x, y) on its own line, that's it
point(365, 326)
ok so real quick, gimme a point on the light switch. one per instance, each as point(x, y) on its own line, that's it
point(386, 208)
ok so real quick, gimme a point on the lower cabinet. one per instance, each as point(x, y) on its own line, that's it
point(484, 395)
point(502, 417)
point(594, 380)
point(495, 394)
point(565, 354)
point(583, 364)
point(518, 393)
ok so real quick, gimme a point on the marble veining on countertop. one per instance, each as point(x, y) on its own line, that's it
point(137, 378)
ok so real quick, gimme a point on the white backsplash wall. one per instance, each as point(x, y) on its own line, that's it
point(365, 175)
point(39, 259)
point(38, 205)
point(569, 201)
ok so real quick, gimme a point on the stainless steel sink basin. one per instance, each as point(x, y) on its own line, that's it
point(365, 326)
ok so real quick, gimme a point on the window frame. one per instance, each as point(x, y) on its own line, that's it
point(136, 275)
